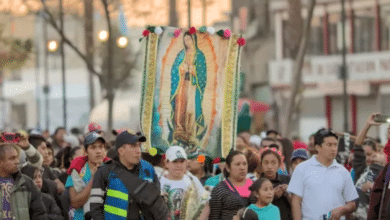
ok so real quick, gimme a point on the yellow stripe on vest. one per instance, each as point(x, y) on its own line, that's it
point(115, 211)
point(117, 194)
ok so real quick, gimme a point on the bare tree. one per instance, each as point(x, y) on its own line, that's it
point(173, 21)
point(296, 82)
point(108, 80)
point(14, 52)
point(294, 28)
point(89, 46)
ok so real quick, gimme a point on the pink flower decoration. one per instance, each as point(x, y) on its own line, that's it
point(227, 33)
point(177, 32)
point(241, 41)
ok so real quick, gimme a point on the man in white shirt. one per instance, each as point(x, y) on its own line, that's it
point(320, 187)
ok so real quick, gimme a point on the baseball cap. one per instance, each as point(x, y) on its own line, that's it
point(72, 140)
point(175, 152)
point(91, 137)
point(255, 140)
point(299, 153)
point(127, 137)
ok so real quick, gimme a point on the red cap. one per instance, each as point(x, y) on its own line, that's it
point(299, 145)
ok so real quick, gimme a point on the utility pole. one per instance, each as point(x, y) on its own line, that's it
point(204, 12)
point(189, 13)
point(37, 84)
point(63, 66)
point(89, 47)
point(173, 22)
point(46, 89)
point(344, 68)
point(110, 74)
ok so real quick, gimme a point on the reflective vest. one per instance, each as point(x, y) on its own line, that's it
point(117, 195)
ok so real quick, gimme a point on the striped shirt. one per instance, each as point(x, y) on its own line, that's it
point(224, 202)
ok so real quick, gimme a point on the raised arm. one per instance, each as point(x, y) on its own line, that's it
point(363, 133)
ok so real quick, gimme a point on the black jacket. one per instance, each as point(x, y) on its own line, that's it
point(53, 211)
point(100, 183)
point(359, 161)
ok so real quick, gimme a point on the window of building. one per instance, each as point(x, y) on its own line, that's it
point(385, 27)
point(316, 44)
point(333, 49)
point(364, 34)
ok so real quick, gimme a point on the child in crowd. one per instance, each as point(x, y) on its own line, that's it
point(197, 166)
point(282, 170)
point(246, 214)
point(264, 192)
point(52, 209)
point(177, 186)
point(271, 160)
point(253, 160)
point(298, 156)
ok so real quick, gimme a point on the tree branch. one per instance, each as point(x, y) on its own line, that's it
point(127, 71)
point(297, 71)
point(52, 21)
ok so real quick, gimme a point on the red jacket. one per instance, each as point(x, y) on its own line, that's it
point(386, 150)
point(79, 163)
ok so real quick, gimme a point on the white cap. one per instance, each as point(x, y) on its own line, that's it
point(255, 140)
point(72, 140)
point(175, 152)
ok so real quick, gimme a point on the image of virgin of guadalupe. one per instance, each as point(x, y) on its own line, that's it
point(188, 83)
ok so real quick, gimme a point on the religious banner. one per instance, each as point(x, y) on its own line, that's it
point(190, 89)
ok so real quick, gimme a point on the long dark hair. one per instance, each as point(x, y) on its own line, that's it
point(229, 160)
point(193, 37)
point(257, 184)
point(288, 148)
point(253, 160)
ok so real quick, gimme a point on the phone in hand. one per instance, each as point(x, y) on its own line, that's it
point(382, 119)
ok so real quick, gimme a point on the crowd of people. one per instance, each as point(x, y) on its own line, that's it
point(87, 176)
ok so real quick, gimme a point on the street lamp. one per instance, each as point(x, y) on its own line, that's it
point(52, 46)
point(23, 10)
point(103, 36)
point(122, 42)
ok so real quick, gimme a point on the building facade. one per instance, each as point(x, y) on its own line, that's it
point(367, 36)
